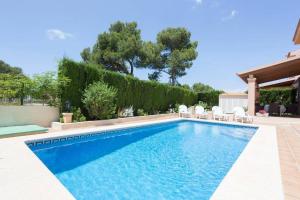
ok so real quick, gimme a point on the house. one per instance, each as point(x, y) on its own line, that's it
point(281, 73)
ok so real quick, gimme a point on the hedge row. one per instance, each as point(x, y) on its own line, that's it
point(147, 95)
point(284, 96)
point(211, 98)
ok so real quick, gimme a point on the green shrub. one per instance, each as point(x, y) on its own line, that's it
point(150, 96)
point(77, 115)
point(99, 100)
point(284, 96)
point(203, 104)
point(210, 98)
point(141, 112)
point(176, 107)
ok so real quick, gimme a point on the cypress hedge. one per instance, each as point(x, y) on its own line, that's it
point(150, 96)
point(211, 98)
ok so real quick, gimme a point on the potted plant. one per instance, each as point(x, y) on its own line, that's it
point(67, 116)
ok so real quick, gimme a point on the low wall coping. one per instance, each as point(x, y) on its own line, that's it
point(64, 126)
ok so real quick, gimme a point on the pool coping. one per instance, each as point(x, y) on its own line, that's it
point(256, 173)
point(24, 176)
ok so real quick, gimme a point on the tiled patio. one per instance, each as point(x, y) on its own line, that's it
point(288, 135)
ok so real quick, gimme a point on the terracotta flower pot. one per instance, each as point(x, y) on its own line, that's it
point(67, 117)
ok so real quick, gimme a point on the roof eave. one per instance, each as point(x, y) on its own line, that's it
point(296, 38)
point(244, 75)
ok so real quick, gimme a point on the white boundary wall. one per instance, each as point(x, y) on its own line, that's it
point(228, 101)
point(28, 114)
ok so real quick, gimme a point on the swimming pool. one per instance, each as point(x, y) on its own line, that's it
point(175, 160)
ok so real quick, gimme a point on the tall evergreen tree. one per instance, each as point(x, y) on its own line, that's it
point(172, 54)
point(119, 49)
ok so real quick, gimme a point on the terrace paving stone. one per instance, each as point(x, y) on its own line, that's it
point(288, 139)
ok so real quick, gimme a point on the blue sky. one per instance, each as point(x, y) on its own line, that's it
point(232, 35)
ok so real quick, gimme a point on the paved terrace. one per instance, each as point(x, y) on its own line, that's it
point(288, 137)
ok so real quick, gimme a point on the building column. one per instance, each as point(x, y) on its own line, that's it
point(252, 94)
point(298, 96)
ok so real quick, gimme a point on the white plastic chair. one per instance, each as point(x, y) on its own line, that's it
point(215, 108)
point(237, 110)
point(183, 111)
point(240, 114)
point(200, 112)
point(218, 114)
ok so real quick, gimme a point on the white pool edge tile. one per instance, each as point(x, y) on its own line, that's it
point(256, 173)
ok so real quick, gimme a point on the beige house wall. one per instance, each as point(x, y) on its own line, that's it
point(229, 101)
point(23, 115)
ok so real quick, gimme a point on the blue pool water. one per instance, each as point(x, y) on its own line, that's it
point(175, 160)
